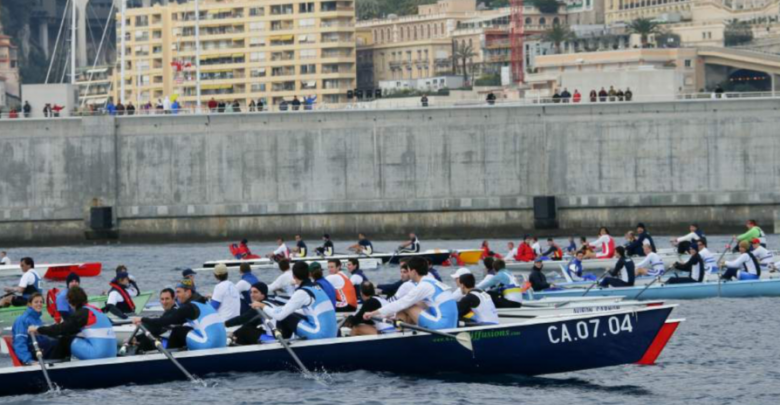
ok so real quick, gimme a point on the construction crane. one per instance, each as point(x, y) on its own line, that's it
point(516, 32)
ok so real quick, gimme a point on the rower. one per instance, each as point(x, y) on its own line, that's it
point(753, 232)
point(120, 297)
point(575, 269)
point(309, 313)
point(168, 304)
point(652, 264)
point(623, 274)
point(346, 296)
point(429, 304)
point(710, 262)
point(241, 250)
point(363, 246)
point(326, 249)
point(695, 265)
point(511, 251)
point(486, 252)
point(22, 345)
point(487, 264)
point(357, 276)
point(371, 302)
point(300, 247)
point(744, 267)
point(4, 259)
point(553, 252)
point(536, 247)
point(315, 271)
point(193, 325)
point(432, 270)
point(284, 283)
point(476, 306)
point(636, 247)
point(502, 286)
point(281, 252)
point(572, 248)
point(133, 284)
point(537, 279)
point(245, 284)
point(29, 283)
point(225, 300)
point(692, 237)
point(632, 249)
point(252, 328)
point(395, 291)
point(86, 335)
point(603, 247)
point(61, 301)
point(765, 258)
point(457, 294)
point(524, 251)
point(189, 274)
point(585, 246)
point(410, 246)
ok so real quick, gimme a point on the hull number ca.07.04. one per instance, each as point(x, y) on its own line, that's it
point(590, 329)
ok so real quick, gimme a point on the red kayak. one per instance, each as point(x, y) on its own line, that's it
point(56, 271)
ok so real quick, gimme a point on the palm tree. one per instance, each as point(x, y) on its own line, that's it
point(464, 53)
point(557, 35)
point(644, 27)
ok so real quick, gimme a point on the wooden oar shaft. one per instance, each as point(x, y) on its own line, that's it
point(39, 356)
point(283, 342)
point(168, 354)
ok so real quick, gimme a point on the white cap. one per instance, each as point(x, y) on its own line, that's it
point(461, 271)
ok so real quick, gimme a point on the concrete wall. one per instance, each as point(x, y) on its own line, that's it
point(457, 172)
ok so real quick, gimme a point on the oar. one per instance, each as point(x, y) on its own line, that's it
point(393, 256)
point(595, 283)
point(636, 297)
point(123, 349)
point(463, 338)
point(39, 355)
point(168, 354)
point(280, 338)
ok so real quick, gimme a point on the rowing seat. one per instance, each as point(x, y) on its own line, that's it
point(9, 343)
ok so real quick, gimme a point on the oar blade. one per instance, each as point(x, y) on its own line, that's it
point(464, 338)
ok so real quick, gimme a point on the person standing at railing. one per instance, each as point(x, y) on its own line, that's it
point(308, 102)
point(593, 96)
point(491, 98)
point(120, 109)
point(175, 107)
point(26, 109)
point(602, 95)
point(628, 94)
point(252, 106)
point(236, 107)
point(565, 95)
point(110, 108)
point(612, 94)
point(213, 105)
point(130, 108)
point(260, 105)
point(424, 100)
point(296, 104)
point(620, 95)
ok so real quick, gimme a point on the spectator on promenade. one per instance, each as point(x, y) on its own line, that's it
point(565, 95)
point(13, 114)
point(26, 109)
point(424, 100)
point(491, 98)
point(260, 105)
point(130, 108)
point(620, 95)
point(56, 109)
point(612, 94)
point(120, 109)
point(175, 106)
point(283, 105)
point(47, 110)
point(577, 96)
point(628, 94)
point(593, 96)
point(556, 97)
point(308, 102)
point(159, 108)
point(228, 107)
point(296, 104)
point(110, 108)
point(213, 105)
point(718, 91)
point(602, 95)
point(252, 106)
point(167, 105)
point(221, 107)
point(236, 106)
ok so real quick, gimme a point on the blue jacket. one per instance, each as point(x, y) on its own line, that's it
point(22, 345)
point(329, 290)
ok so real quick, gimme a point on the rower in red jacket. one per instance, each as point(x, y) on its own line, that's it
point(524, 251)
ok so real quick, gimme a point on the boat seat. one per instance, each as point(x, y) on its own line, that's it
point(9, 342)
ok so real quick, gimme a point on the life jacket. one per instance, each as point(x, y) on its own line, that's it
point(51, 304)
point(346, 295)
point(558, 253)
point(33, 288)
point(320, 322)
point(485, 312)
point(99, 336)
point(441, 306)
point(576, 272)
point(524, 253)
point(127, 305)
point(755, 264)
point(208, 330)
point(607, 249)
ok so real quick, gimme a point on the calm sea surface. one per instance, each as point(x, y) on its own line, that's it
point(727, 352)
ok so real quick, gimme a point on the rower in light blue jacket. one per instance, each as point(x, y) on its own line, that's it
point(502, 282)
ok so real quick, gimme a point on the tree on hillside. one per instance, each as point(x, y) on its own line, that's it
point(737, 33)
point(558, 34)
point(545, 6)
point(644, 27)
point(368, 9)
point(464, 54)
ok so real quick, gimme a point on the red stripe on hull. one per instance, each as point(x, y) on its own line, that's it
point(660, 341)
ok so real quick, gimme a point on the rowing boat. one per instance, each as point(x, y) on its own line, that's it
point(8, 315)
point(437, 257)
point(55, 271)
point(530, 347)
point(470, 256)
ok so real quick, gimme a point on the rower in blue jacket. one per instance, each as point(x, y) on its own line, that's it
point(73, 280)
point(244, 285)
point(502, 287)
point(21, 338)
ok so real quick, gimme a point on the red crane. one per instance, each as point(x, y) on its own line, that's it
point(516, 32)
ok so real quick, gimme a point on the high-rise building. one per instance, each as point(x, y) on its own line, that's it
point(249, 50)
point(9, 72)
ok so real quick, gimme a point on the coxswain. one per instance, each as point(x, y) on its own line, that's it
point(642, 235)
point(356, 276)
point(300, 249)
point(553, 251)
point(4, 259)
point(281, 252)
point(623, 274)
point(476, 306)
point(245, 284)
point(753, 232)
point(252, 329)
point(22, 345)
point(394, 291)
point(284, 283)
point(695, 265)
point(524, 251)
point(683, 242)
point(309, 313)
point(326, 250)
point(315, 271)
point(371, 302)
point(193, 325)
point(189, 274)
point(61, 301)
point(603, 247)
point(29, 283)
point(429, 304)
point(537, 279)
point(86, 335)
point(410, 246)
point(225, 300)
point(503, 286)
point(652, 264)
point(346, 296)
point(765, 258)
point(363, 246)
point(744, 267)
point(572, 248)
point(120, 297)
point(511, 251)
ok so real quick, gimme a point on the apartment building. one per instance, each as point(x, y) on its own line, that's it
point(625, 11)
point(270, 50)
point(9, 72)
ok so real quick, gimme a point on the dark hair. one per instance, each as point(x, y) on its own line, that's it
point(621, 251)
point(316, 272)
point(367, 289)
point(28, 261)
point(488, 262)
point(301, 271)
point(703, 241)
point(337, 262)
point(121, 268)
point(583, 239)
point(34, 296)
point(169, 291)
point(419, 265)
point(355, 262)
point(605, 229)
point(467, 280)
point(284, 265)
point(753, 221)
point(244, 268)
point(77, 297)
point(499, 265)
point(549, 239)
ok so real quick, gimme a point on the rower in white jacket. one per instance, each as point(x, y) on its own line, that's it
point(652, 264)
point(766, 259)
point(745, 267)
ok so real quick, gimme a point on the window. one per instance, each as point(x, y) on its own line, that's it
point(257, 87)
point(542, 21)
point(306, 39)
point(308, 69)
point(258, 72)
point(257, 26)
point(306, 22)
point(307, 53)
point(306, 8)
point(687, 63)
point(256, 56)
point(256, 42)
point(256, 11)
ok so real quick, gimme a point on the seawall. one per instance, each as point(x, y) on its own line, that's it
point(454, 172)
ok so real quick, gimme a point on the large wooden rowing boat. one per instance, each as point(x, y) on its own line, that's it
point(8, 315)
point(55, 271)
point(436, 256)
point(660, 291)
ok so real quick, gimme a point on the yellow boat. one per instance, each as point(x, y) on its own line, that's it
point(470, 256)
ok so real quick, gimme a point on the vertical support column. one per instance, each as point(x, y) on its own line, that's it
point(197, 54)
point(43, 36)
point(82, 32)
point(123, 44)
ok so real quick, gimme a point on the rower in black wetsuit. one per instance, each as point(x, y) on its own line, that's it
point(253, 330)
point(327, 246)
point(300, 247)
point(694, 265)
point(623, 274)
point(537, 279)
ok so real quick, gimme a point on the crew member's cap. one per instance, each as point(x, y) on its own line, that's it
point(326, 236)
point(755, 241)
point(186, 284)
point(72, 277)
point(188, 272)
point(314, 266)
point(538, 259)
point(461, 271)
point(121, 275)
point(646, 242)
point(220, 269)
point(262, 287)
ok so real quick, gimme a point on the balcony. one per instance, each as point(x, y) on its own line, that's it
point(497, 44)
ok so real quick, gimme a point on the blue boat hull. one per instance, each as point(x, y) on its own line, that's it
point(732, 289)
point(543, 347)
